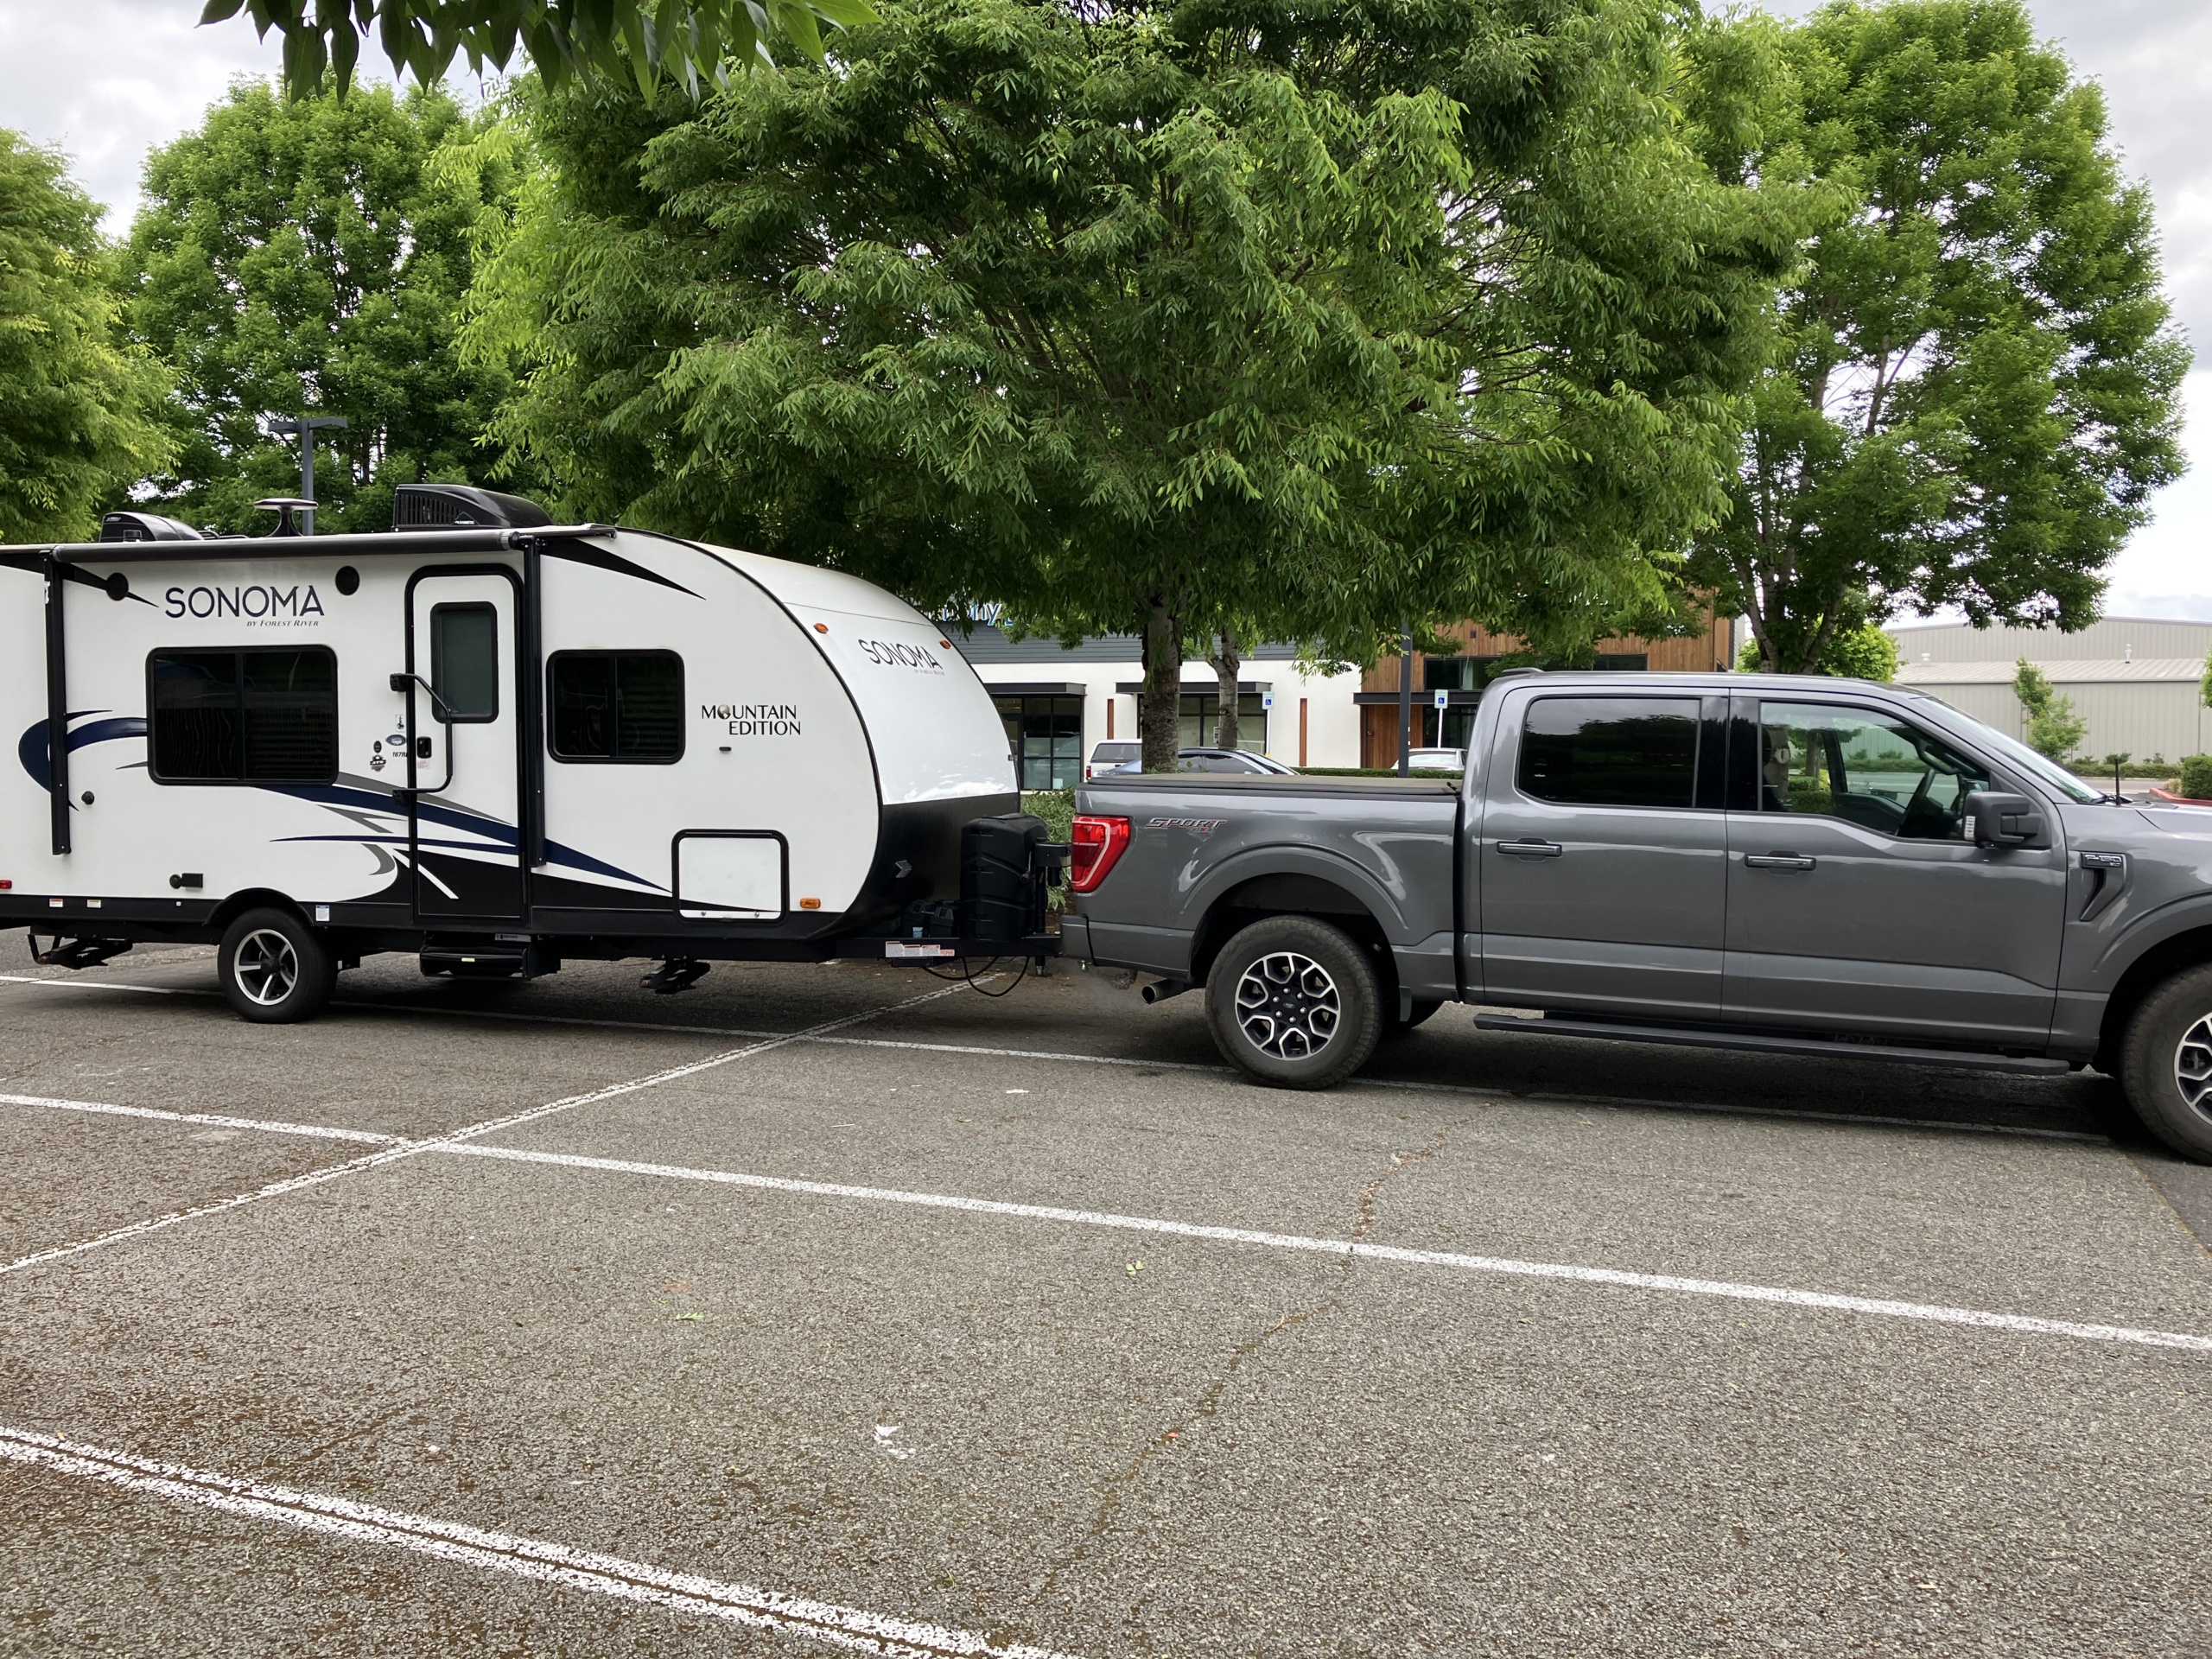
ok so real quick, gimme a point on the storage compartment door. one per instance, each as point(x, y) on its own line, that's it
point(730, 875)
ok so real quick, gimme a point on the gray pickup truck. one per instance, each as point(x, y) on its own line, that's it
point(1804, 865)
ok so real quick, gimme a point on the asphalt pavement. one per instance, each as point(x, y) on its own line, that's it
point(834, 1308)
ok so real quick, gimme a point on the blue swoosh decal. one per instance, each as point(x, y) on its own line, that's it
point(31, 750)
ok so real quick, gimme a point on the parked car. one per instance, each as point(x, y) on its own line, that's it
point(1785, 864)
point(1107, 756)
point(1244, 760)
point(1437, 760)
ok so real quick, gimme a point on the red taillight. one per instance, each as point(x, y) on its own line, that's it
point(1094, 845)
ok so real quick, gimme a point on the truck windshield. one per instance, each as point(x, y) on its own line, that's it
point(2041, 767)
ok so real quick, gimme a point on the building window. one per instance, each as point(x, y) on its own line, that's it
point(243, 717)
point(1046, 735)
point(617, 705)
point(1201, 722)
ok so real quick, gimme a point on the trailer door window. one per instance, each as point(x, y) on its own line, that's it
point(617, 705)
point(465, 660)
point(243, 717)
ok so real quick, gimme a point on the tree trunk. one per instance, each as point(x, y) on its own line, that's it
point(1227, 662)
point(1161, 721)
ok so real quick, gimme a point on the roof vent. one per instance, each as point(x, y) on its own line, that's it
point(145, 527)
point(462, 506)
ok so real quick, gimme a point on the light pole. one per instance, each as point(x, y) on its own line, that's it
point(307, 426)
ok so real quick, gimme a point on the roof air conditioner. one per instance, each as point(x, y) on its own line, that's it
point(462, 506)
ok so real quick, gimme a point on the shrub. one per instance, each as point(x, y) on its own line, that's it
point(2196, 777)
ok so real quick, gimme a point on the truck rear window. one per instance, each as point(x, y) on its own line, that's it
point(1611, 751)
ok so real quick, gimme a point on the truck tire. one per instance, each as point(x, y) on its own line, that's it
point(1294, 1002)
point(274, 970)
point(2166, 1064)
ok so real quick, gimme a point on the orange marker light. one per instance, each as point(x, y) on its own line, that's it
point(947, 643)
point(809, 904)
point(821, 627)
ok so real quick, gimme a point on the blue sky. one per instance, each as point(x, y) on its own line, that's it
point(107, 78)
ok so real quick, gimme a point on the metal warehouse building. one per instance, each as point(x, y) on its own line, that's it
point(2134, 679)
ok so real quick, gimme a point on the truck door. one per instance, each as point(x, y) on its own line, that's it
point(1856, 900)
point(1603, 854)
point(463, 746)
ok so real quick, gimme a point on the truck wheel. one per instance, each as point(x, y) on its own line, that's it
point(1294, 1002)
point(2166, 1064)
point(274, 968)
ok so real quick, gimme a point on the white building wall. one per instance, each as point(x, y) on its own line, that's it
point(1333, 723)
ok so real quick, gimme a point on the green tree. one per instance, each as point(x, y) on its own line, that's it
point(1292, 321)
point(694, 41)
point(311, 257)
point(2054, 729)
point(1863, 652)
point(1973, 386)
point(78, 408)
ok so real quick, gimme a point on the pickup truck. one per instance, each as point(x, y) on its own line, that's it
point(1807, 865)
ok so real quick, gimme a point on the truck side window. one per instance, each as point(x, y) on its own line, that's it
point(265, 716)
point(1866, 767)
point(1611, 751)
point(616, 705)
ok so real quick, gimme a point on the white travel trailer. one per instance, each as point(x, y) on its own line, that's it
point(490, 740)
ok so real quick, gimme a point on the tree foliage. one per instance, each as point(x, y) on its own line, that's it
point(1973, 385)
point(311, 258)
point(78, 407)
point(1297, 320)
point(1860, 652)
point(2054, 731)
point(692, 41)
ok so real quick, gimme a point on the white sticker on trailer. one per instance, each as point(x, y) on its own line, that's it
point(729, 876)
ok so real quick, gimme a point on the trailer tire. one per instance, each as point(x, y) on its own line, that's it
point(275, 970)
point(2165, 1063)
point(1294, 1002)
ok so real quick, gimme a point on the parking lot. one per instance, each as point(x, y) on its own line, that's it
point(831, 1307)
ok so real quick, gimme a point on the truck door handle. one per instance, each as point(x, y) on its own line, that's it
point(1778, 862)
point(1529, 847)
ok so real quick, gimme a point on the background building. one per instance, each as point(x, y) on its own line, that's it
point(2134, 679)
point(1058, 705)
point(1481, 654)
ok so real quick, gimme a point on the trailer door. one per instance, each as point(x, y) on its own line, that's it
point(464, 747)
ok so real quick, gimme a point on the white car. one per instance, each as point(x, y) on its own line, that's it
point(1437, 760)
point(1109, 756)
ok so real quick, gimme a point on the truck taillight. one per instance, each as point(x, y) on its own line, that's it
point(1095, 844)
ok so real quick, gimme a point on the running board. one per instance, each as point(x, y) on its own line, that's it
point(1755, 1042)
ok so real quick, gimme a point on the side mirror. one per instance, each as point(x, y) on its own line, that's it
point(1997, 820)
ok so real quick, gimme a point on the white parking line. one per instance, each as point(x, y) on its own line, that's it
point(212, 1120)
point(1632, 1103)
point(400, 1149)
point(851, 1628)
point(1929, 1312)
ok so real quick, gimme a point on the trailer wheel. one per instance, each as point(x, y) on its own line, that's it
point(1294, 1002)
point(274, 968)
point(2166, 1064)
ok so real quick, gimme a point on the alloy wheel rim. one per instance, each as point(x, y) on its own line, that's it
point(2193, 1067)
point(267, 967)
point(1287, 1006)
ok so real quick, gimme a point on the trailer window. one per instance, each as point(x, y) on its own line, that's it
point(617, 705)
point(465, 660)
point(243, 717)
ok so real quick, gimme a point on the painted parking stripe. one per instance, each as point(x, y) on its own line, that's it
point(850, 1628)
point(1676, 1284)
point(212, 1120)
point(1630, 1103)
point(400, 1149)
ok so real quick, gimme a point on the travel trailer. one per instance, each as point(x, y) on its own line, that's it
point(496, 743)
